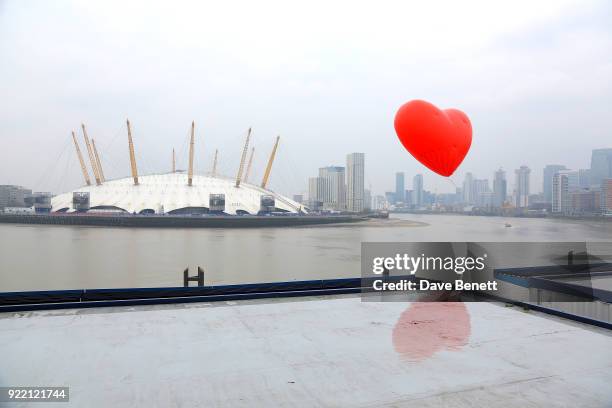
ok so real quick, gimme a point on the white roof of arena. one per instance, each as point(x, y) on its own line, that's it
point(172, 192)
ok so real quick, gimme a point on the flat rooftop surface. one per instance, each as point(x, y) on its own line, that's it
point(313, 352)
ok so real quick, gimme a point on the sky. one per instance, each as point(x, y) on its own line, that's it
point(534, 77)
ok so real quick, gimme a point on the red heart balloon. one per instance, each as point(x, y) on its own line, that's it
point(439, 139)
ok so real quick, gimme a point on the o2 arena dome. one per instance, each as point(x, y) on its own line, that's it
point(181, 193)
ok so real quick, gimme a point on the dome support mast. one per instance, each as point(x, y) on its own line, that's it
point(242, 159)
point(94, 167)
point(214, 169)
point(248, 170)
point(173, 161)
point(266, 176)
point(191, 143)
point(81, 161)
point(98, 162)
point(132, 155)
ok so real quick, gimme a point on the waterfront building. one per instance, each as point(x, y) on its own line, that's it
point(417, 191)
point(468, 188)
point(547, 175)
point(560, 192)
point(601, 166)
point(481, 192)
point(584, 178)
point(606, 196)
point(380, 203)
point(355, 163)
point(522, 186)
point(409, 197)
point(500, 188)
point(333, 194)
point(390, 197)
point(14, 196)
point(400, 188)
point(367, 200)
point(585, 202)
point(315, 193)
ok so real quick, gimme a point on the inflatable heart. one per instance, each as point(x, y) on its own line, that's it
point(439, 139)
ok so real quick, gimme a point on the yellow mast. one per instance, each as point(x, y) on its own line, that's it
point(244, 152)
point(266, 176)
point(91, 156)
point(132, 155)
point(83, 167)
point(98, 162)
point(190, 175)
point(214, 169)
point(173, 161)
point(248, 170)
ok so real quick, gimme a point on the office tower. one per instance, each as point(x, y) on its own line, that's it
point(14, 196)
point(334, 194)
point(606, 196)
point(390, 197)
point(585, 201)
point(355, 163)
point(500, 188)
point(380, 203)
point(400, 188)
point(601, 166)
point(408, 196)
point(417, 190)
point(481, 191)
point(298, 198)
point(315, 192)
point(584, 178)
point(560, 192)
point(468, 189)
point(549, 171)
point(367, 200)
point(522, 186)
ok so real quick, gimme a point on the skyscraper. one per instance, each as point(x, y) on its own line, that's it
point(400, 187)
point(315, 192)
point(584, 178)
point(549, 171)
point(601, 166)
point(522, 186)
point(417, 190)
point(367, 200)
point(333, 189)
point(606, 196)
point(468, 189)
point(482, 196)
point(355, 163)
point(500, 188)
point(560, 192)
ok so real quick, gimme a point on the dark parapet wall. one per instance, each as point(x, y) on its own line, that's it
point(169, 221)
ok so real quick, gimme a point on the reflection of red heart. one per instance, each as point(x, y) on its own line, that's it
point(426, 328)
point(439, 139)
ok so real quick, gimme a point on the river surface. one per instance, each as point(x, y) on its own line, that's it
point(50, 257)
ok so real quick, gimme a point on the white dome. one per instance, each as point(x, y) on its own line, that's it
point(170, 192)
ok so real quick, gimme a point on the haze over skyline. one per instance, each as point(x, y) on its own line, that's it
point(535, 79)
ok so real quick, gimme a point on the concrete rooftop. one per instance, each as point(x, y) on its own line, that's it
point(321, 352)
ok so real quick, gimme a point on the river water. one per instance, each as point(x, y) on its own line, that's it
point(69, 257)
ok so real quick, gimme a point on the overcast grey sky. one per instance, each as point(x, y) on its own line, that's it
point(535, 78)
